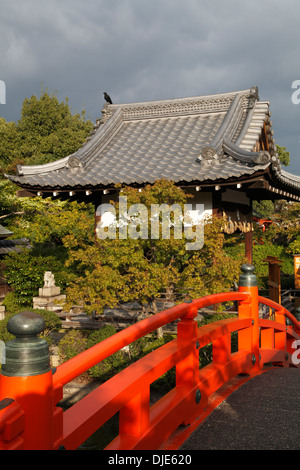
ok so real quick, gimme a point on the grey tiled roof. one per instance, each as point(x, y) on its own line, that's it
point(4, 232)
point(198, 139)
point(9, 246)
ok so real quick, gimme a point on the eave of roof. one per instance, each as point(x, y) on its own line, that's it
point(4, 232)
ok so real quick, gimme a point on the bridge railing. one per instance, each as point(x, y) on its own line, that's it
point(277, 338)
point(30, 391)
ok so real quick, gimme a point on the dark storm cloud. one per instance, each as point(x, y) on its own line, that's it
point(138, 50)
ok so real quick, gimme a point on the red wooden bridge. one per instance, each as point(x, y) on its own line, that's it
point(30, 390)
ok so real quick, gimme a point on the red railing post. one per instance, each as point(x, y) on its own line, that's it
point(222, 349)
point(134, 416)
point(249, 337)
point(280, 336)
point(26, 380)
point(188, 368)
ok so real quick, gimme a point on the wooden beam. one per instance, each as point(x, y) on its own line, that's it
point(259, 184)
point(25, 193)
point(249, 246)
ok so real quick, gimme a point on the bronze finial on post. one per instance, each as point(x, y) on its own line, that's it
point(26, 379)
point(27, 354)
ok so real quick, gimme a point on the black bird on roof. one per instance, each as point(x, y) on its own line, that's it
point(107, 98)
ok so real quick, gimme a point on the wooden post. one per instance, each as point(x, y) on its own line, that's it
point(249, 246)
point(274, 278)
point(297, 271)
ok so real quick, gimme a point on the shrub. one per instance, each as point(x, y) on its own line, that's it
point(25, 273)
point(52, 321)
point(73, 343)
point(11, 303)
point(99, 335)
point(4, 334)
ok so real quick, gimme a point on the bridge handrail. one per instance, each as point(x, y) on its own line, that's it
point(280, 309)
point(72, 368)
point(30, 392)
point(140, 375)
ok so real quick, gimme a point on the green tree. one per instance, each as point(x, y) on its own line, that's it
point(281, 239)
point(266, 209)
point(44, 223)
point(114, 270)
point(10, 205)
point(286, 228)
point(9, 143)
point(263, 209)
point(283, 155)
point(46, 131)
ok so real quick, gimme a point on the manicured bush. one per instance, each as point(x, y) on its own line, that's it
point(25, 273)
point(4, 334)
point(11, 303)
point(73, 343)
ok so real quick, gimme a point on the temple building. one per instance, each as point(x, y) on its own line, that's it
point(220, 148)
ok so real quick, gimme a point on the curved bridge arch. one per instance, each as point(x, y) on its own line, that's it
point(196, 393)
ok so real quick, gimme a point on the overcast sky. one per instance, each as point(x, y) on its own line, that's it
point(141, 50)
